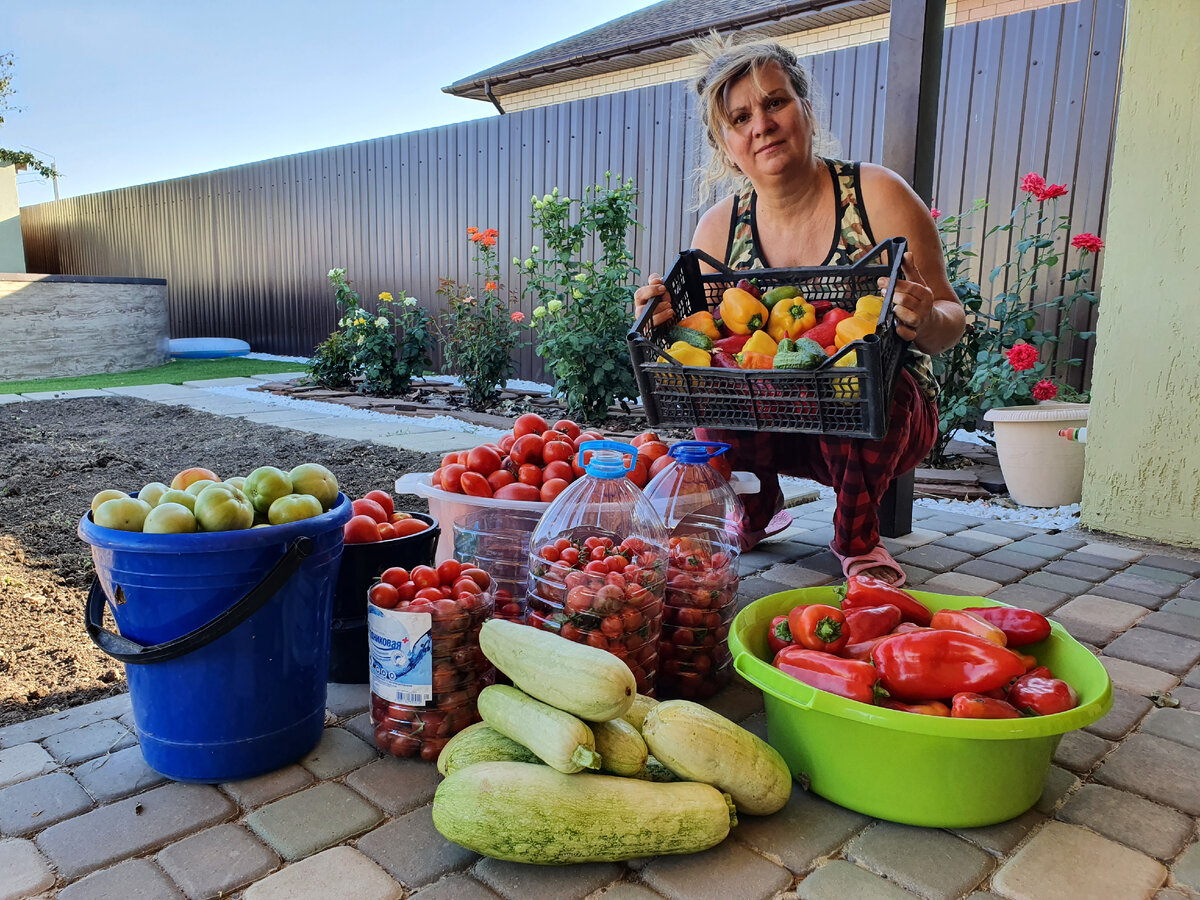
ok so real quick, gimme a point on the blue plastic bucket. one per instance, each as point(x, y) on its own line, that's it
point(225, 636)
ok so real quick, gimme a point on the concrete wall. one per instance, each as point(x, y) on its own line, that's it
point(803, 43)
point(12, 250)
point(56, 325)
point(1143, 469)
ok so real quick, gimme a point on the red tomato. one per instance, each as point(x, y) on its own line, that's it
point(483, 460)
point(384, 499)
point(643, 438)
point(475, 485)
point(598, 640)
point(405, 527)
point(556, 451)
point(365, 507)
point(530, 423)
point(550, 436)
point(527, 449)
point(652, 450)
point(576, 466)
point(612, 626)
point(465, 585)
point(558, 470)
point(450, 459)
point(659, 464)
point(506, 443)
point(397, 516)
point(552, 487)
point(452, 477)
point(567, 427)
point(519, 492)
point(584, 437)
point(429, 593)
point(361, 530)
point(437, 477)
point(721, 464)
point(395, 576)
point(640, 473)
point(387, 531)
point(569, 555)
point(480, 577)
point(499, 479)
point(407, 591)
point(383, 595)
point(530, 474)
point(425, 577)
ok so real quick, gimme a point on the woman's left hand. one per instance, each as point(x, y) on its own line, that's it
point(912, 301)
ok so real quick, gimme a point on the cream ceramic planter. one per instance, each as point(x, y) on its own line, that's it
point(1040, 468)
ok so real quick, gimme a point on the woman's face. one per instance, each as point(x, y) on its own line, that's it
point(769, 126)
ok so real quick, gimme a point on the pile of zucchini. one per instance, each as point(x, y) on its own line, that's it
point(517, 786)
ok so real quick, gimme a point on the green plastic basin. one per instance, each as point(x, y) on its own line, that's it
point(919, 770)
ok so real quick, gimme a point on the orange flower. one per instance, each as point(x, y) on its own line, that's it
point(472, 229)
point(491, 233)
point(488, 241)
point(490, 286)
point(477, 237)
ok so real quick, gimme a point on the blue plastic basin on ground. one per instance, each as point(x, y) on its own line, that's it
point(253, 699)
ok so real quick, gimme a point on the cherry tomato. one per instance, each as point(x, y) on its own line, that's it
point(598, 640)
point(596, 566)
point(615, 563)
point(570, 556)
point(425, 577)
point(383, 595)
point(449, 571)
point(407, 591)
point(467, 586)
point(549, 553)
point(480, 577)
point(612, 626)
point(429, 593)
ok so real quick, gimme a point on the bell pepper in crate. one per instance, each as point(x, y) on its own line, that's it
point(961, 620)
point(749, 360)
point(846, 388)
point(741, 313)
point(685, 353)
point(826, 330)
point(847, 678)
point(732, 344)
point(861, 591)
point(722, 360)
point(967, 705)
point(819, 627)
point(852, 329)
point(868, 307)
point(1020, 626)
point(1041, 695)
point(790, 319)
point(801, 354)
point(702, 322)
point(930, 665)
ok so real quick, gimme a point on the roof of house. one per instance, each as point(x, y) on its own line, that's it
point(653, 34)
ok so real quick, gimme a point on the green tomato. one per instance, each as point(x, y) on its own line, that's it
point(196, 487)
point(219, 508)
point(152, 492)
point(170, 518)
point(293, 508)
point(183, 498)
point(315, 479)
point(265, 485)
point(122, 513)
point(103, 496)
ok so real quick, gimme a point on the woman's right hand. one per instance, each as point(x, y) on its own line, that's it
point(664, 312)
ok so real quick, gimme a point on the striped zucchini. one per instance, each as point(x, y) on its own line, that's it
point(637, 713)
point(558, 738)
point(697, 744)
point(480, 743)
point(533, 814)
point(622, 750)
point(584, 681)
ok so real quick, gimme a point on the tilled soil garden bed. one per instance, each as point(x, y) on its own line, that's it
point(54, 456)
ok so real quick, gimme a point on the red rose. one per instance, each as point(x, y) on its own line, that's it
point(1045, 390)
point(1088, 242)
point(1022, 357)
point(1033, 184)
point(1051, 191)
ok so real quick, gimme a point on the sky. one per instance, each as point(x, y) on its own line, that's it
point(122, 92)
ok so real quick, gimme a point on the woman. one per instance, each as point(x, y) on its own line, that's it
point(799, 209)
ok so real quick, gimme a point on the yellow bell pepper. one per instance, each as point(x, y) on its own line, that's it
point(869, 306)
point(740, 312)
point(846, 388)
point(685, 353)
point(761, 342)
point(791, 318)
point(852, 329)
point(702, 322)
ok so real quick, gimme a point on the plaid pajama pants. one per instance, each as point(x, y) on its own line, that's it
point(860, 470)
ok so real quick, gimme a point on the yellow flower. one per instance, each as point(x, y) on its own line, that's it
point(384, 295)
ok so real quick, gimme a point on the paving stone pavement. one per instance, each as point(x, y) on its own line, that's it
point(82, 816)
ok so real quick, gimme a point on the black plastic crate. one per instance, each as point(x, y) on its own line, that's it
point(851, 401)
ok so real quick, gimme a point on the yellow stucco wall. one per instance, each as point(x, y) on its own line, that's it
point(1142, 476)
point(12, 248)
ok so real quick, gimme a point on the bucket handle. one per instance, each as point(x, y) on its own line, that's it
point(127, 651)
point(741, 663)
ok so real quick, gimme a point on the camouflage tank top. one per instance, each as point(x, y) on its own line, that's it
point(852, 239)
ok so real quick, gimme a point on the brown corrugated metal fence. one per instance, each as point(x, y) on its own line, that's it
point(246, 250)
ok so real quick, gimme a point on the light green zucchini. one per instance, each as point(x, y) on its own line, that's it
point(656, 771)
point(533, 814)
point(637, 713)
point(622, 750)
point(481, 743)
point(697, 744)
point(558, 738)
point(584, 681)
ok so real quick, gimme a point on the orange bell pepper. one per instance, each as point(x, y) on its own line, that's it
point(741, 313)
point(702, 322)
point(791, 318)
point(957, 620)
point(748, 359)
point(852, 329)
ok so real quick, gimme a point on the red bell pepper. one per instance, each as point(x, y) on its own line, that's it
point(819, 627)
point(930, 665)
point(820, 307)
point(871, 621)
point(721, 359)
point(957, 620)
point(778, 635)
point(847, 678)
point(862, 649)
point(732, 344)
point(1020, 626)
point(1042, 696)
point(967, 705)
point(826, 329)
point(861, 591)
point(932, 708)
point(909, 628)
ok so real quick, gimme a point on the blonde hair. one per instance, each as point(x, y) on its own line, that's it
point(729, 60)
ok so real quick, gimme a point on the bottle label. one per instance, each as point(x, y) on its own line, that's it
point(401, 655)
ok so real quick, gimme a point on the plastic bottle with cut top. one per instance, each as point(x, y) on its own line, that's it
point(700, 511)
point(597, 570)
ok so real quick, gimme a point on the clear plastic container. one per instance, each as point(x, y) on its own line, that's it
point(597, 563)
point(700, 511)
point(427, 670)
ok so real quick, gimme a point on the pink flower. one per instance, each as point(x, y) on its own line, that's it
point(1045, 390)
point(1033, 184)
point(518, 317)
point(935, 212)
point(1022, 357)
point(1088, 242)
point(1051, 191)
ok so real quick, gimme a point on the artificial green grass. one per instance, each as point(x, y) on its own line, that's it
point(176, 371)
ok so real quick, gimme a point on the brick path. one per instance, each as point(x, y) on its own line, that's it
point(81, 816)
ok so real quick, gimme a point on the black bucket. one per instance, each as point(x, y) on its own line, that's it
point(349, 661)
